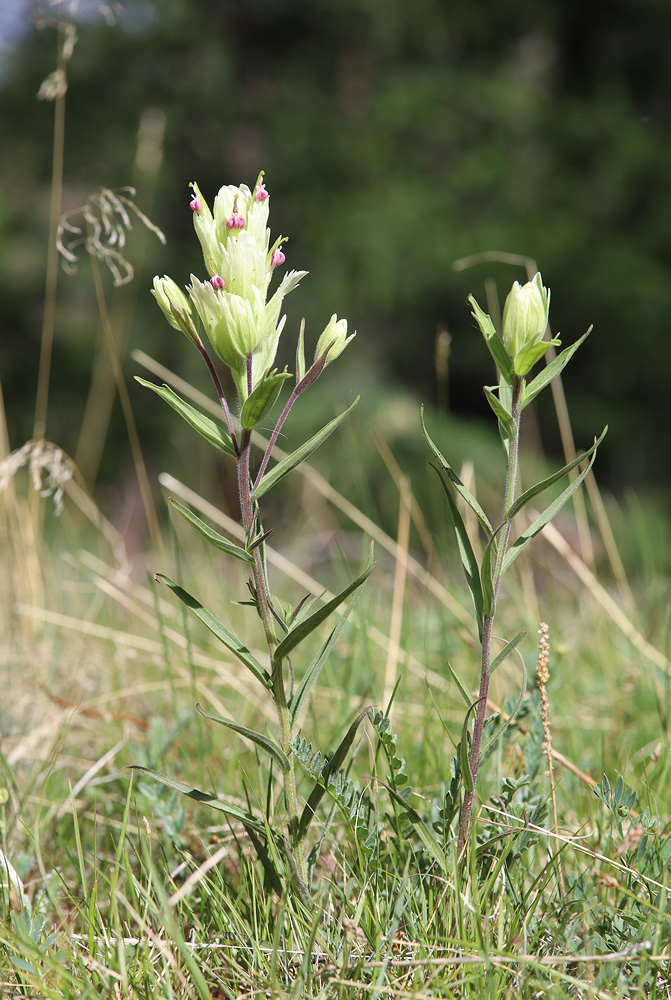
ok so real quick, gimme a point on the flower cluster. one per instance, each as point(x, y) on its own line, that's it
point(242, 322)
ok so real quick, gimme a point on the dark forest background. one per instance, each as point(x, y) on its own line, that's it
point(396, 138)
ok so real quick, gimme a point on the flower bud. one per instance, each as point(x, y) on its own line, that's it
point(525, 320)
point(333, 340)
point(176, 307)
point(217, 282)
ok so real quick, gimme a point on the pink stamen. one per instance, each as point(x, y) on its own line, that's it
point(277, 258)
point(261, 193)
point(217, 282)
point(196, 205)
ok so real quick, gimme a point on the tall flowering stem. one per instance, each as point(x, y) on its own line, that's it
point(521, 344)
point(242, 320)
point(488, 619)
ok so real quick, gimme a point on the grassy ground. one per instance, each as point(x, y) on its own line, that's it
point(117, 886)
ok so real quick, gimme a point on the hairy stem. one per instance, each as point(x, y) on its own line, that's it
point(512, 461)
point(220, 392)
point(294, 847)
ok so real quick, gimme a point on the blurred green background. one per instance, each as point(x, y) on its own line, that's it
point(396, 138)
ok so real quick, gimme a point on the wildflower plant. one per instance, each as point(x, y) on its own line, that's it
point(242, 318)
point(515, 351)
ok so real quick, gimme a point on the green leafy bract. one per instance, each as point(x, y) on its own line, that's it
point(257, 406)
point(551, 371)
point(271, 478)
point(493, 341)
point(505, 419)
point(206, 427)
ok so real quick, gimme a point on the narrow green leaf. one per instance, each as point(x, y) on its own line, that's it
point(454, 478)
point(506, 422)
point(257, 406)
point(304, 628)
point(505, 652)
point(220, 631)
point(544, 518)
point(280, 470)
point(209, 429)
point(468, 560)
point(300, 354)
point(550, 372)
point(539, 487)
point(529, 354)
point(494, 343)
point(463, 690)
point(212, 536)
point(315, 668)
point(265, 742)
point(334, 765)
point(209, 798)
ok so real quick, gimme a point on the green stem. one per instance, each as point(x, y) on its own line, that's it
point(295, 850)
point(512, 463)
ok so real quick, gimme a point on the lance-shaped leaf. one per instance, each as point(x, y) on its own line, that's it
point(505, 652)
point(209, 798)
point(300, 354)
point(334, 765)
point(257, 406)
point(458, 485)
point(468, 560)
point(315, 668)
point(265, 742)
point(505, 419)
point(220, 631)
point(212, 536)
point(494, 343)
point(279, 471)
point(489, 555)
point(304, 628)
point(206, 427)
point(539, 487)
point(539, 523)
point(466, 773)
point(550, 372)
point(459, 681)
